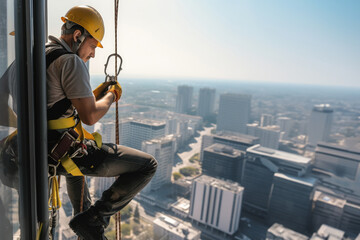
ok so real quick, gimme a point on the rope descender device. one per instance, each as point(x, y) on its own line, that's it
point(112, 78)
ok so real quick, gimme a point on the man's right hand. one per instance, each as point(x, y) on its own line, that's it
point(116, 89)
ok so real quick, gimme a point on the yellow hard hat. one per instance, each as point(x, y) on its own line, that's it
point(88, 18)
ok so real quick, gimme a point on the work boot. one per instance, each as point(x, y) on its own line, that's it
point(89, 225)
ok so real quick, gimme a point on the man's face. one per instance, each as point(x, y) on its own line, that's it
point(87, 49)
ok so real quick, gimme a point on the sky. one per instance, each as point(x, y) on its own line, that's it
point(297, 41)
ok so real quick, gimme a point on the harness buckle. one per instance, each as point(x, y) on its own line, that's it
point(62, 147)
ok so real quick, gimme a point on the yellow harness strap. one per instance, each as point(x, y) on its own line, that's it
point(70, 166)
point(63, 123)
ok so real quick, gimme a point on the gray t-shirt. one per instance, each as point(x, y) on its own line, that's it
point(67, 76)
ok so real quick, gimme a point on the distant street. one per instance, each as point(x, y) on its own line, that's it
point(194, 148)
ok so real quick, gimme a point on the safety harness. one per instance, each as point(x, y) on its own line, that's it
point(73, 135)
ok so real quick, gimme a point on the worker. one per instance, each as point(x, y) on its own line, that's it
point(70, 97)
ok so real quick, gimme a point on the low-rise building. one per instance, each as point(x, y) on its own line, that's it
point(169, 228)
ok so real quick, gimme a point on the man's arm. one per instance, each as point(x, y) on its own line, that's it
point(91, 111)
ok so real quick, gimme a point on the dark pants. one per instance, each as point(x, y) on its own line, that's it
point(133, 168)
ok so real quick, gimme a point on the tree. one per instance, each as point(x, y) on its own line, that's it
point(137, 214)
point(126, 212)
point(125, 229)
point(189, 171)
point(177, 176)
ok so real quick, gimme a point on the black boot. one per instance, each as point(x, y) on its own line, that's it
point(89, 225)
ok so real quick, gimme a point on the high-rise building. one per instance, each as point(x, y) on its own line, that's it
point(269, 136)
point(260, 166)
point(328, 209)
point(216, 203)
point(163, 149)
point(184, 99)
point(342, 164)
point(221, 161)
point(291, 196)
point(286, 125)
point(101, 184)
point(266, 120)
point(134, 131)
point(108, 132)
point(320, 122)
point(234, 112)
point(350, 221)
point(206, 105)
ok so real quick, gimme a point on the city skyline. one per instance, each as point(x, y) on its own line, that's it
point(313, 42)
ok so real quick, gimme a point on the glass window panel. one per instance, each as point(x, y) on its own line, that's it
point(9, 217)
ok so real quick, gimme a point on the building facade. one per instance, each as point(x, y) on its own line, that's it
point(291, 202)
point(269, 136)
point(184, 99)
point(234, 112)
point(261, 165)
point(216, 203)
point(163, 149)
point(221, 161)
point(206, 104)
point(320, 122)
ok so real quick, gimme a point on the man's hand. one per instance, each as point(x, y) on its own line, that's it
point(100, 91)
point(116, 89)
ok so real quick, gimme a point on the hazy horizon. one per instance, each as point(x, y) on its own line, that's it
point(308, 42)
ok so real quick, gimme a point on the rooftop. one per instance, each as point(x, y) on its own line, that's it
point(149, 122)
point(177, 227)
point(323, 108)
point(220, 184)
point(328, 199)
point(162, 140)
point(223, 150)
point(237, 137)
point(337, 150)
point(282, 232)
point(327, 232)
point(268, 152)
point(182, 205)
point(309, 181)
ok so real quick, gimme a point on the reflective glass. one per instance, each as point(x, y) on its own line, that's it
point(9, 205)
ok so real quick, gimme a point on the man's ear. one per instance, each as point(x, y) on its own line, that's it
point(76, 35)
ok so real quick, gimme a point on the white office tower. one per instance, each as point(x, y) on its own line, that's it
point(166, 227)
point(125, 131)
point(266, 120)
point(163, 149)
point(319, 127)
point(184, 99)
point(286, 125)
point(269, 136)
point(134, 131)
point(234, 112)
point(108, 132)
point(216, 203)
point(101, 184)
point(206, 104)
